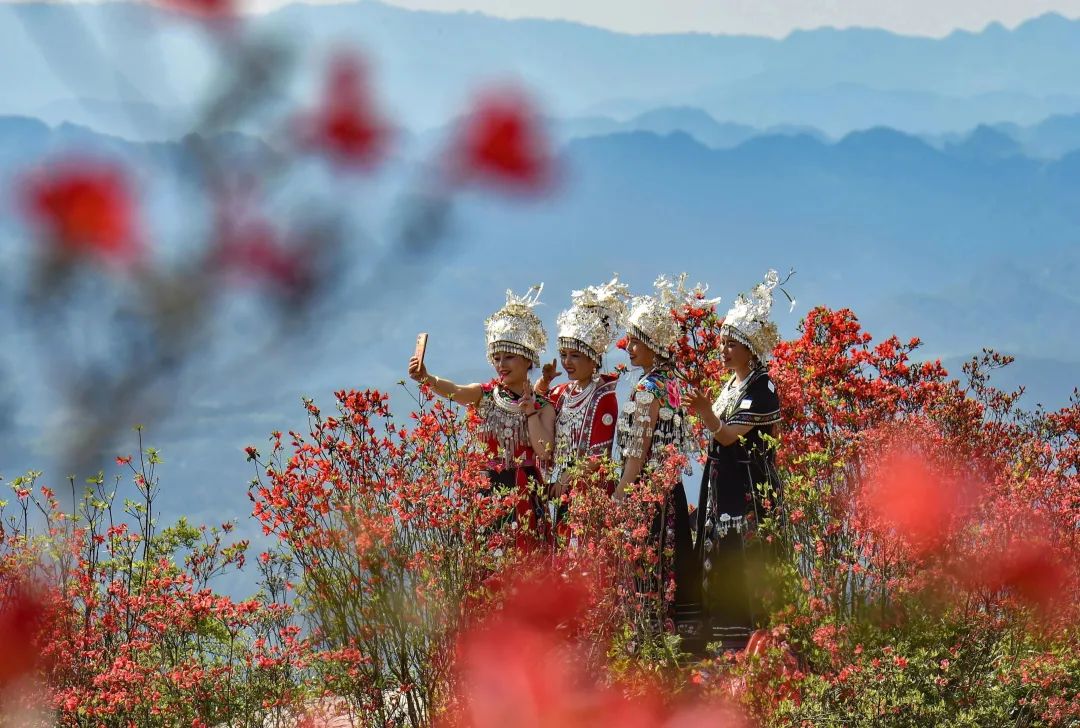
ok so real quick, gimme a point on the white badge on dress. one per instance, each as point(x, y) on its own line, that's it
point(745, 404)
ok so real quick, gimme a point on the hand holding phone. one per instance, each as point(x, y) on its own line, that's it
point(421, 348)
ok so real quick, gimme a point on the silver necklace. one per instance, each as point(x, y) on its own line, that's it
point(729, 396)
point(505, 423)
point(575, 399)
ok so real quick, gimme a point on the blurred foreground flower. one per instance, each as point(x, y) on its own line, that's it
point(345, 126)
point(202, 9)
point(1031, 571)
point(249, 247)
point(84, 207)
point(502, 144)
point(22, 619)
point(916, 499)
point(523, 666)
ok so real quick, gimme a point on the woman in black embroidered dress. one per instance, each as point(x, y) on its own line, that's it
point(739, 484)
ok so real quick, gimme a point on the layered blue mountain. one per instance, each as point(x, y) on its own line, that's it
point(135, 70)
point(932, 185)
point(879, 220)
point(1052, 137)
point(965, 246)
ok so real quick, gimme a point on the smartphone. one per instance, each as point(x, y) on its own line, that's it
point(421, 347)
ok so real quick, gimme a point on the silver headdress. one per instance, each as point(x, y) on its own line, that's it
point(515, 329)
point(748, 320)
point(591, 323)
point(652, 318)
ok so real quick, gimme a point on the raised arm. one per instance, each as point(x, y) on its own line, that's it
point(460, 393)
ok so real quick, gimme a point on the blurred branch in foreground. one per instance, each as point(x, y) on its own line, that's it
point(119, 311)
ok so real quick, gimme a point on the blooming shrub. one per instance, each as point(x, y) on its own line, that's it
point(932, 540)
point(129, 628)
point(926, 573)
point(394, 531)
point(402, 543)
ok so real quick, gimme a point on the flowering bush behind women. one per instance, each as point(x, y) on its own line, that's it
point(924, 572)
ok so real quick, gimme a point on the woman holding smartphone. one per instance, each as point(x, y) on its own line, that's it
point(517, 425)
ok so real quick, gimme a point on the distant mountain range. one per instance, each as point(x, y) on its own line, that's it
point(1051, 138)
point(134, 70)
point(965, 246)
point(932, 185)
point(914, 237)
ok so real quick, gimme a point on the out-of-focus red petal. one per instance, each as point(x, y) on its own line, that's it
point(22, 616)
point(1029, 569)
point(345, 125)
point(203, 9)
point(912, 498)
point(84, 207)
point(502, 143)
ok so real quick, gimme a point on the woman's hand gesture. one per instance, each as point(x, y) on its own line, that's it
point(547, 373)
point(527, 403)
point(699, 402)
point(550, 371)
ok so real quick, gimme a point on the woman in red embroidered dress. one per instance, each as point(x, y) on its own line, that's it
point(517, 426)
point(585, 407)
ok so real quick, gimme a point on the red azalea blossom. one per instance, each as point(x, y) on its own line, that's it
point(502, 143)
point(345, 125)
point(85, 207)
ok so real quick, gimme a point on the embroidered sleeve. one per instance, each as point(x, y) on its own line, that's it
point(759, 406)
point(603, 424)
point(555, 394)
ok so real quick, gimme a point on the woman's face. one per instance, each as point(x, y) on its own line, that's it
point(512, 369)
point(736, 355)
point(577, 366)
point(640, 354)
